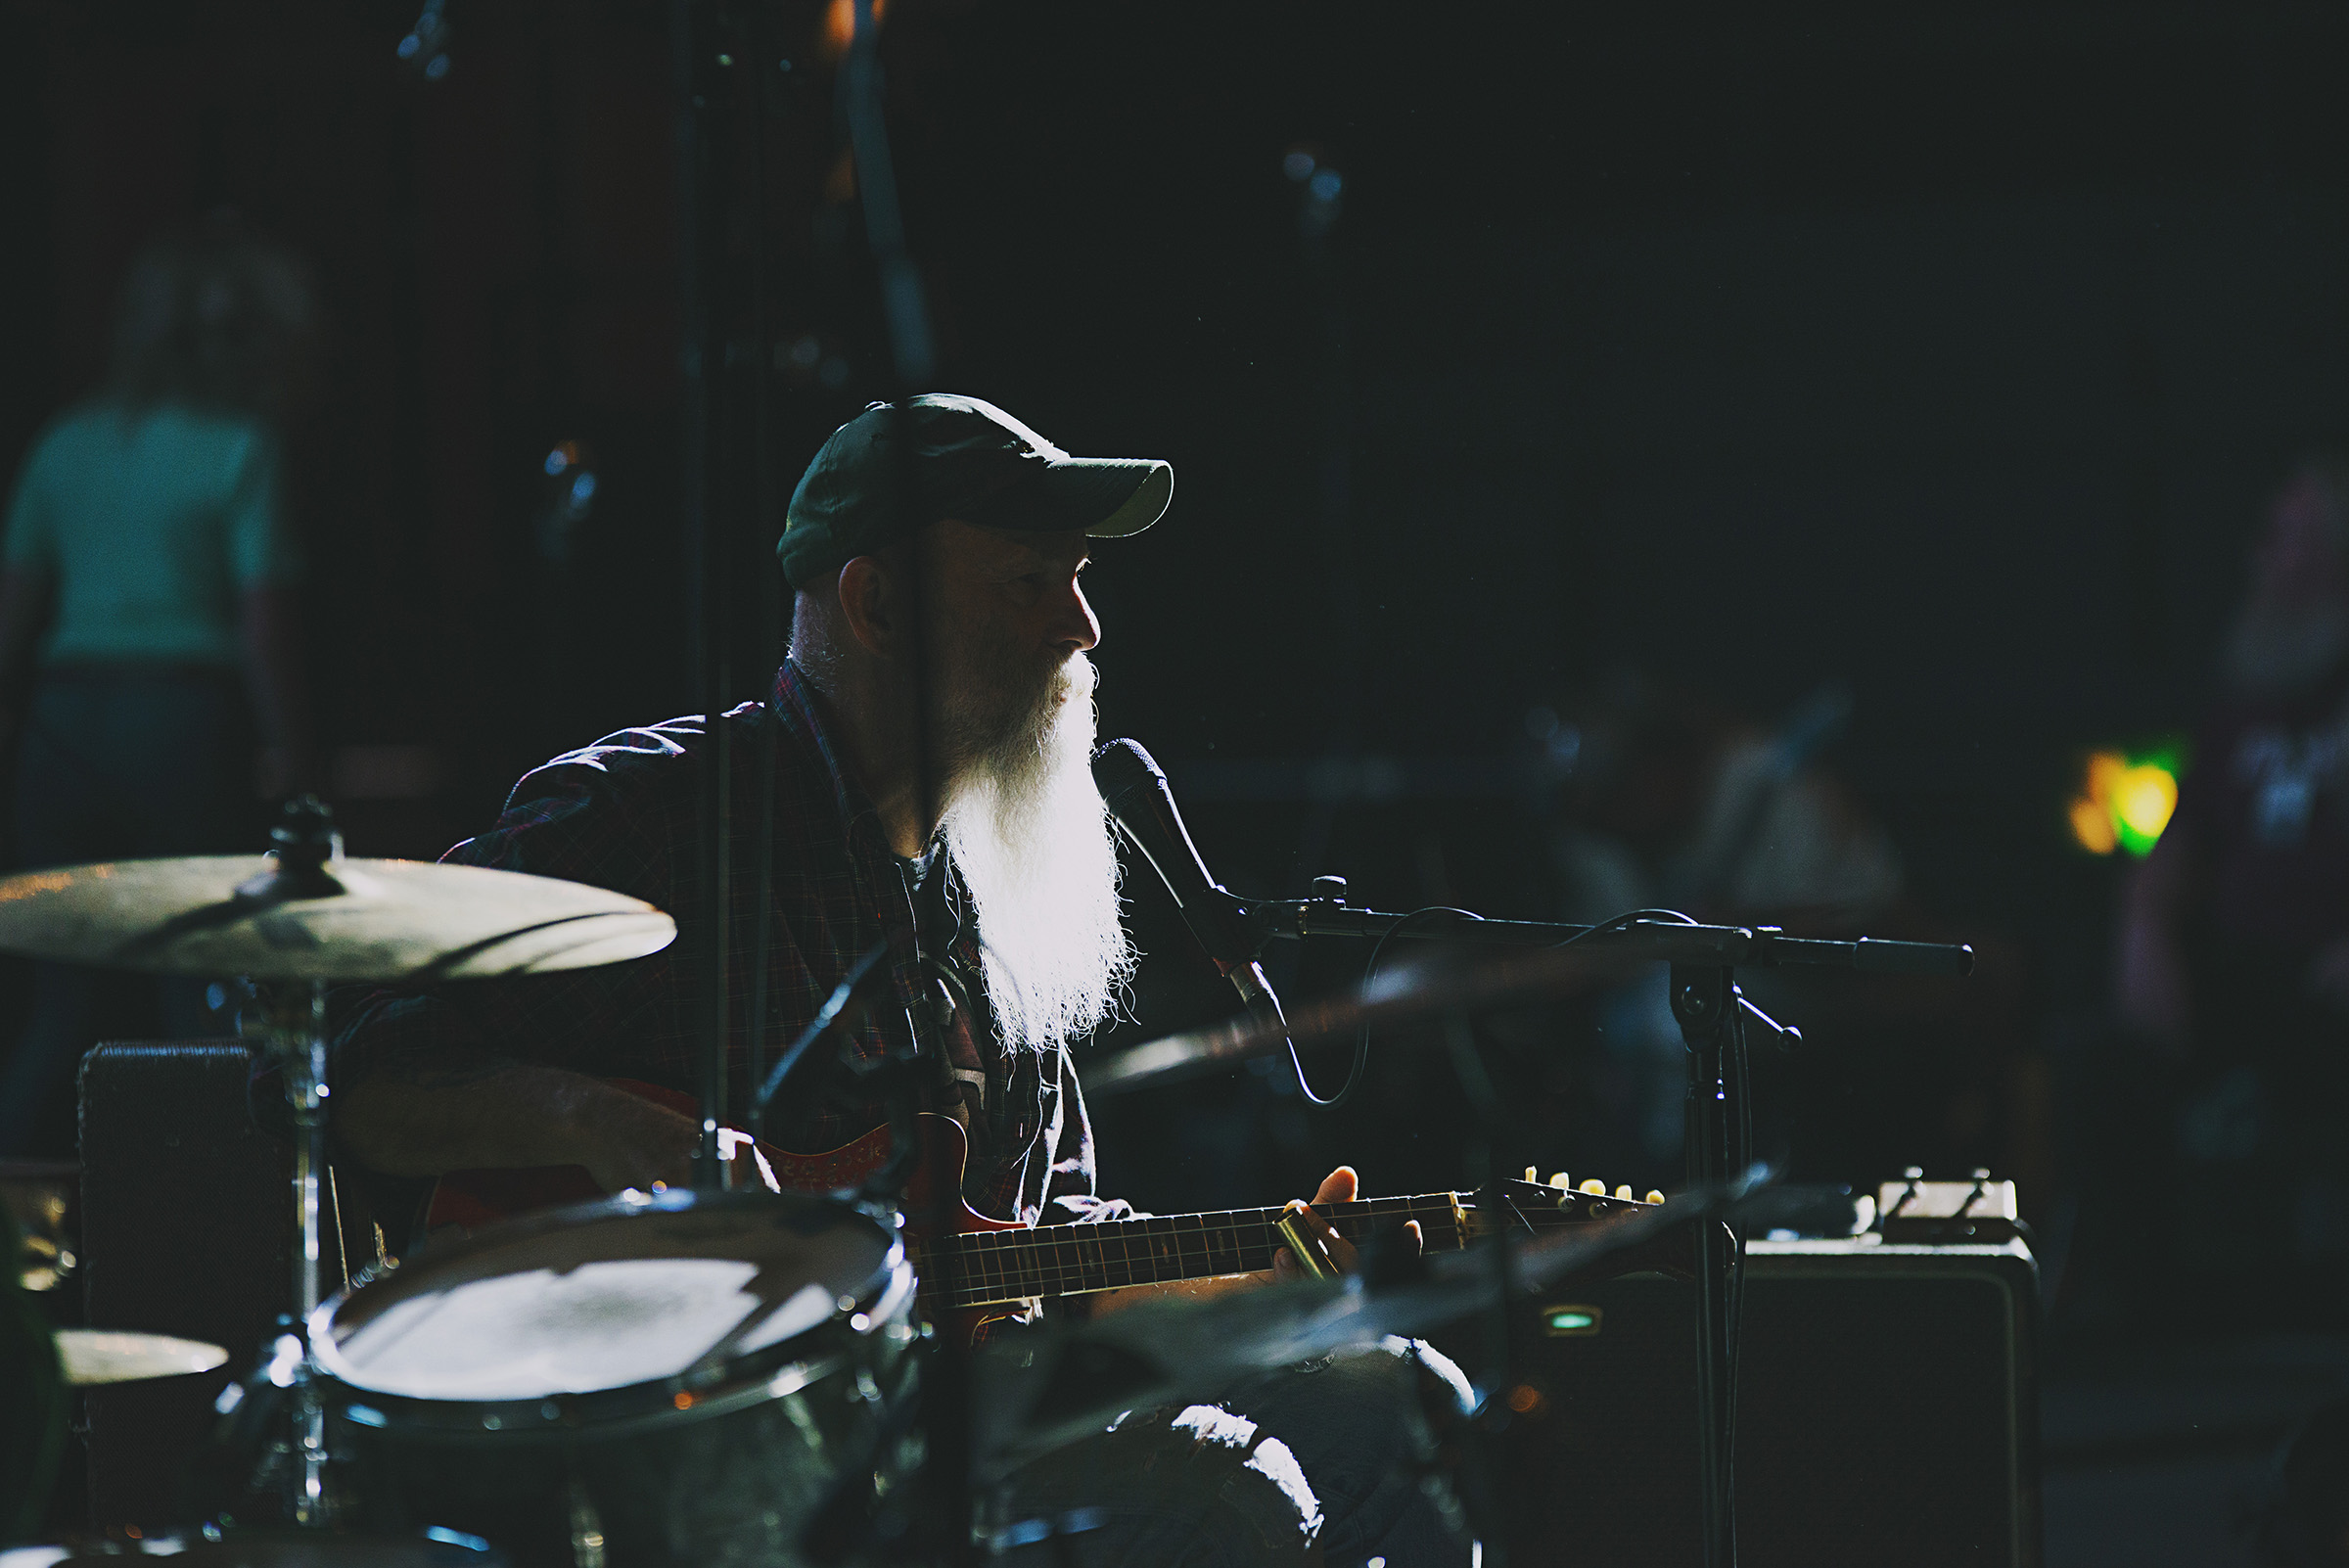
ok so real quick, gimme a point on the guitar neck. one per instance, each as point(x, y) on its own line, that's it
point(993, 1267)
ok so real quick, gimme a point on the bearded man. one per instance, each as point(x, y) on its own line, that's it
point(933, 725)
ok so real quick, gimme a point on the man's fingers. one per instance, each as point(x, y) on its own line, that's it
point(1410, 1228)
point(1336, 1248)
point(1339, 1187)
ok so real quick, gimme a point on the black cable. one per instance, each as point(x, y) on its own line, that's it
point(1625, 921)
point(1362, 1044)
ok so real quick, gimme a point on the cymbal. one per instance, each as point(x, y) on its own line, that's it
point(210, 915)
point(266, 1549)
point(104, 1356)
point(1407, 994)
point(1037, 1391)
point(1283, 1324)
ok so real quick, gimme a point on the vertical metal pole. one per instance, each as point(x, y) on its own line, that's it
point(299, 1028)
point(767, 522)
point(703, 357)
point(946, 1385)
point(1703, 999)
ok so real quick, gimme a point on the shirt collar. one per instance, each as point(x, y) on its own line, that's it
point(794, 709)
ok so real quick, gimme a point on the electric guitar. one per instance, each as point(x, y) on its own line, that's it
point(975, 1269)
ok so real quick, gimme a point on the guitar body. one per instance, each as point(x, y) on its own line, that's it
point(933, 1203)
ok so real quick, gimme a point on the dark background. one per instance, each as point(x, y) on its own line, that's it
point(1949, 354)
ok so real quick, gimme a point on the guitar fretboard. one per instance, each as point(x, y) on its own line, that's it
point(994, 1266)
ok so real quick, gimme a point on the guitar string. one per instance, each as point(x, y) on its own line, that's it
point(1049, 1259)
point(1253, 1225)
point(1054, 1257)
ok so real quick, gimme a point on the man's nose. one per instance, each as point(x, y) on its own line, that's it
point(1072, 622)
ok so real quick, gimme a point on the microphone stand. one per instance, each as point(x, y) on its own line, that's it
point(1712, 1015)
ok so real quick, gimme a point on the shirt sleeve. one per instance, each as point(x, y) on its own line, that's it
point(261, 547)
point(32, 537)
point(569, 820)
point(1069, 1188)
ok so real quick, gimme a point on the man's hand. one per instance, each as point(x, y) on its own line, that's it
point(1339, 1187)
point(626, 1141)
point(622, 1148)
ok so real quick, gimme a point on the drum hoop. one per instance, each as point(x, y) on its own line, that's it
point(526, 1421)
point(775, 1371)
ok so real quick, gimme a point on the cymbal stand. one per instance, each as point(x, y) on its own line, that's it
point(296, 1038)
point(294, 1035)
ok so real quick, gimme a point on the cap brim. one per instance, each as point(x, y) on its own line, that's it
point(1106, 497)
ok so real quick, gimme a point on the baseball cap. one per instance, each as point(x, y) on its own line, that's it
point(971, 461)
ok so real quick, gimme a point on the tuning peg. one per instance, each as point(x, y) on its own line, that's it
point(1623, 1192)
point(1653, 1196)
point(1531, 1174)
point(1594, 1186)
point(1558, 1180)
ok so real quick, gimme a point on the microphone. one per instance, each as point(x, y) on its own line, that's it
point(1137, 797)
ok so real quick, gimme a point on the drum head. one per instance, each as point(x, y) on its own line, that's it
point(273, 1548)
point(604, 1296)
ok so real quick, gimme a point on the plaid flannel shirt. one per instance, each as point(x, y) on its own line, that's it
point(625, 813)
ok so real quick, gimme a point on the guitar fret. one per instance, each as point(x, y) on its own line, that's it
point(995, 1266)
point(1164, 1245)
point(990, 1269)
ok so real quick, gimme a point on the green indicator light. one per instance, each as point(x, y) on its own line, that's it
point(1562, 1322)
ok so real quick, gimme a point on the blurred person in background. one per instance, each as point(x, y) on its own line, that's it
point(1673, 800)
point(148, 620)
point(2233, 962)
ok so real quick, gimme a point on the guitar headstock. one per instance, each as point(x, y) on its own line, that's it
point(1557, 1202)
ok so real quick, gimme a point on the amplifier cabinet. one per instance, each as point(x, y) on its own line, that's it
point(1887, 1415)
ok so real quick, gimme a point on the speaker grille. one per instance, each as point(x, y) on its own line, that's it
point(1887, 1412)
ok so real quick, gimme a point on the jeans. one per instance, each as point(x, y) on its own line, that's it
point(117, 762)
point(1315, 1463)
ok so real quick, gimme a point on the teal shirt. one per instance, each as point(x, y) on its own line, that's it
point(150, 524)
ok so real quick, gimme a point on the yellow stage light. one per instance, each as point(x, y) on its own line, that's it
point(2092, 826)
point(2145, 800)
point(2125, 801)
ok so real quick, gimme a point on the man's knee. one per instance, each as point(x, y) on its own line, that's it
point(1192, 1487)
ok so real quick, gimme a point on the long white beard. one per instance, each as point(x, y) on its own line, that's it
point(1034, 844)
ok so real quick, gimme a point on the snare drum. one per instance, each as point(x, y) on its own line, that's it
point(669, 1379)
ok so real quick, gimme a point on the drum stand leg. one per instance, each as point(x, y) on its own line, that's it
point(586, 1526)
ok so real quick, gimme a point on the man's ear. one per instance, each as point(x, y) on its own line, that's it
point(865, 605)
